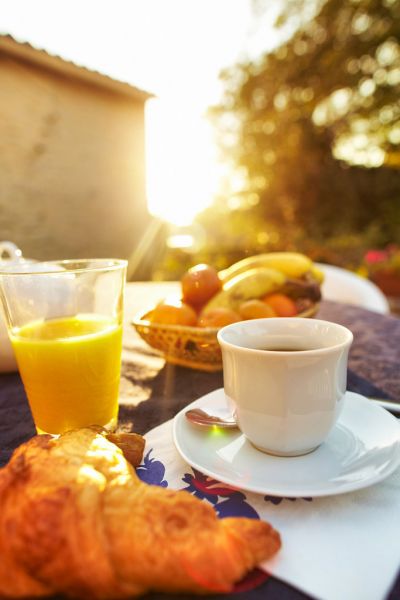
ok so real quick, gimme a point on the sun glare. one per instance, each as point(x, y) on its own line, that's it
point(182, 170)
point(172, 48)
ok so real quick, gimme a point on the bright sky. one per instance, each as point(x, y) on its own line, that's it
point(173, 48)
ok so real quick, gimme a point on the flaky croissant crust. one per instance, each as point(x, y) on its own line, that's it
point(76, 520)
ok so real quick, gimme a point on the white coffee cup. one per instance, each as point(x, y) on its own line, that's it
point(285, 379)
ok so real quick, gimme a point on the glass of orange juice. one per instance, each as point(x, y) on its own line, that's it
point(64, 320)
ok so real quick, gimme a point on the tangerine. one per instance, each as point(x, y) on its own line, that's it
point(218, 317)
point(255, 309)
point(174, 313)
point(281, 304)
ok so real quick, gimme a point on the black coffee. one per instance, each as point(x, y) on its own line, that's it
point(291, 349)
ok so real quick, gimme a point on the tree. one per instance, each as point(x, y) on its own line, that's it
point(312, 129)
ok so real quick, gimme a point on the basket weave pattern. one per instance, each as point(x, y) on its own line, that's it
point(187, 346)
point(193, 347)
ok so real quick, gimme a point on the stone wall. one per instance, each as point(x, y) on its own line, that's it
point(72, 165)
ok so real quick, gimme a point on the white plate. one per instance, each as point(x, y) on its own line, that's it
point(362, 449)
point(341, 285)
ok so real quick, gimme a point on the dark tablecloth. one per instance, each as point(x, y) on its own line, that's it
point(152, 391)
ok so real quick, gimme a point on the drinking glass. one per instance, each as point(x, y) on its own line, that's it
point(64, 319)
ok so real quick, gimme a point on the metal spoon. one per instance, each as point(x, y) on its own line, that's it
point(200, 417)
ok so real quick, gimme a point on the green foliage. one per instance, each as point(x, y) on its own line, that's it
point(311, 132)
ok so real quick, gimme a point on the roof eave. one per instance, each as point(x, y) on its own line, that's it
point(27, 53)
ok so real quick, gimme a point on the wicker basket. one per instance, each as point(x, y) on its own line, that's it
point(194, 347)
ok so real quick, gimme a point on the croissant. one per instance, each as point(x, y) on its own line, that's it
point(76, 520)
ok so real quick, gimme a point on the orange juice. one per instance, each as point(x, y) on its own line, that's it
point(70, 368)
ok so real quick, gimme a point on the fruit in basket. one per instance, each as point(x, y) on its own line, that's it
point(317, 274)
point(199, 284)
point(305, 287)
point(291, 264)
point(256, 309)
point(174, 312)
point(209, 300)
point(254, 283)
point(248, 289)
point(281, 304)
point(218, 317)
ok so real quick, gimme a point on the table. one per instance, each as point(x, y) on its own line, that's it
point(152, 391)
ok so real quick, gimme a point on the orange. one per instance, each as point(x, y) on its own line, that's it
point(174, 313)
point(255, 309)
point(218, 317)
point(281, 304)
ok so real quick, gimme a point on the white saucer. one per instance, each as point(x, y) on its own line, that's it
point(362, 449)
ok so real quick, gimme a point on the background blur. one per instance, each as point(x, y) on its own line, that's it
point(173, 132)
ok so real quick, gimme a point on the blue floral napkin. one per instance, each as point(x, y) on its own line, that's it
point(342, 547)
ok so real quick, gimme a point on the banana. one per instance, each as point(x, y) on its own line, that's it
point(318, 275)
point(253, 283)
point(291, 264)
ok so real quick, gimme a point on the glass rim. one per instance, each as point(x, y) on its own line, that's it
point(92, 265)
